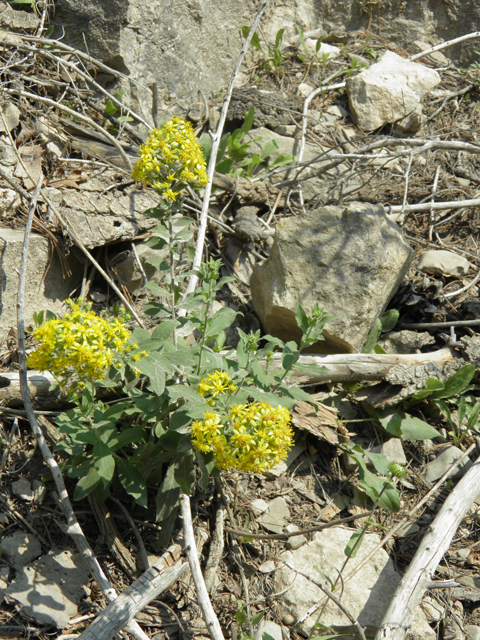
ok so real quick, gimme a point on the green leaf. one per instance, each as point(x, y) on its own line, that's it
point(379, 349)
point(301, 318)
point(103, 461)
point(389, 319)
point(185, 471)
point(462, 406)
point(301, 37)
point(261, 376)
point(241, 617)
point(157, 290)
point(354, 544)
point(279, 38)
point(268, 149)
point(372, 337)
point(86, 484)
point(257, 618)
point(282, 160)
point(249, 118)
point(255, 39)
point(154, 366)
point(165, 329)
point(312, 369)
point(472, 420)
point(403, 425)
point(132, 434)
point(457, 383)
point(298, 394)
point(132, 482)
point(221, 320)
point(431, 385)
point(168, 495)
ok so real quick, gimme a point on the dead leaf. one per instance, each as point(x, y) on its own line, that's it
point(61, 181)
point(322, 424)
point(32, 159)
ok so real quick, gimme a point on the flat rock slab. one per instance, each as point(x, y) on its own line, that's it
point(276, 515)
point(100, 217)
point(49, 590)
point(47, 285)
point(367, 595)
point(349, 259)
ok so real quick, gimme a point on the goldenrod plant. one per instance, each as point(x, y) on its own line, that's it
point(184, 411)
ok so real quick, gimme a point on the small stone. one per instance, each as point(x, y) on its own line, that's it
point(11, 115)
point(276, 516)
point(393, 451)
point(472, 632)
point(259, 505)
point(97, 296)
point(407, 529)
point(288, 619)
point(23, 489)
point(267, 567)
point(443, 461)
point(281, 467)
point(39, 492)
point(21, 548)
point(444, 263)
point(9, 202)
point(295, 542)
point(271, 628)
point(463, 553)
point(304, 90)
point(432, 609)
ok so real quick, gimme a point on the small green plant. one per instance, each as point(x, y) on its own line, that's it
point(385, 323)
point(235, 156)
point(112, 109)
point(272, 60)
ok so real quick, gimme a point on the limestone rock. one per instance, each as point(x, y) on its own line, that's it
point(391, 89)
point(21, 548)
point(16, 20)
point(322, 184)
point(367, 595)
point(23, 489)
point(46, 284)
point(49, 590)
point(445, 263)
point(443, 461)
point(276, 515)
point(349, 258)
point(100, 218)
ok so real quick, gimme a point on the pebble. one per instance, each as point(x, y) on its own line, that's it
point(443, 461)
point(21, 548)
point(473, 632)
point(288, 619)
point(267, 567)
point(444, 263)
point(23, 489)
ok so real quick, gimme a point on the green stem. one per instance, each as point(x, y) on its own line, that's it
point(172, 276)
point(205, 326)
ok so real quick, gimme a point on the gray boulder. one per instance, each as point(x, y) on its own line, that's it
point(349, 258)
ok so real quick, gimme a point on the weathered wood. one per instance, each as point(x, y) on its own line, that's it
point(435, 543)
point(342, 367)
point(156, 579)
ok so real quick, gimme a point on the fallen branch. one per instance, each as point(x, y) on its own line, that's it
point(341, 368)
point(156, 579)
point(435, 543)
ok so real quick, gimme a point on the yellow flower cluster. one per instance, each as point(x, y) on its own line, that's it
point(171, 158)
point(81, 343)
point(253, 437)
point(215, 383)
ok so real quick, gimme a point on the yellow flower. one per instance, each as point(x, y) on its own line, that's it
point(254, 437)
point(80, 343)
point(171, 157)
point(214, 384)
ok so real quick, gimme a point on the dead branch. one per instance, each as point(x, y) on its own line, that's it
point(435, 543)
point(157, 578)
point(341, 368)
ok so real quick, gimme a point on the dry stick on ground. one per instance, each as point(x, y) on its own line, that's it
point(435, 543)
point(155, 580)
point(330, 595)
point(203, 598)
point(202, 225)
point(73, 527)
